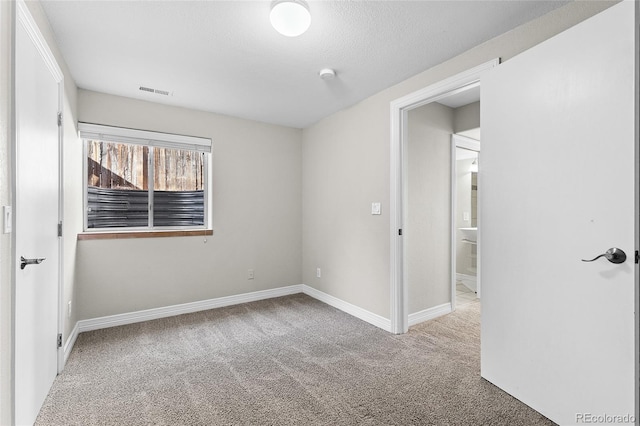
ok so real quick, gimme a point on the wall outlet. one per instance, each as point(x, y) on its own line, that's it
point(69, 309)
point(318, 273)
point(250, 275)
point(466, 216)
point(375, 208)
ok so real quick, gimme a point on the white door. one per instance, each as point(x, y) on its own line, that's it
point(36, 218)
point(558, 175)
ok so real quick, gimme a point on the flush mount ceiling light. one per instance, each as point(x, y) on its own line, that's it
point(290, 17)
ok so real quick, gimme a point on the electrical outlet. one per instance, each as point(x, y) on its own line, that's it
point(318, 273)
point(250, 275)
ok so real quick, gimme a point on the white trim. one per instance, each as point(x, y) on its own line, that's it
point(184, 308)
point(465, 142)
point(29, 24)
point(453, 231)
point(353, 310)
point(71, 341)
point(399, 109)
point(431, 313)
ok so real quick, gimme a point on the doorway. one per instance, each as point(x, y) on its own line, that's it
point(458, 86)
point(430, 175)
point(465, 253)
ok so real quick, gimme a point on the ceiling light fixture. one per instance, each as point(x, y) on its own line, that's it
point(290, 17)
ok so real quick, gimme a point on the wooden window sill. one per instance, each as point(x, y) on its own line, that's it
point(143, 234)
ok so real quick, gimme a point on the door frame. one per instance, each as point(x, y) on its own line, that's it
point(637, 206)
point(463, 142)
point(23, 17)
point(397, 209)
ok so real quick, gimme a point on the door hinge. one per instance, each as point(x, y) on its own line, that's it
point(400, 232)
point(637, 256)
point(60, 229)
point(59, 119)
point(60, 340)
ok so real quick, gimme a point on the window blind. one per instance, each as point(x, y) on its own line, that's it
point(143, 137)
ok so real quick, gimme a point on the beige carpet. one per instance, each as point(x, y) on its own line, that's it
point(285, 361)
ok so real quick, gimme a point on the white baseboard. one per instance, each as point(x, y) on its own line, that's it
point(71, 340)
point(184, 308)
point(430, 313)
point(203, 305)
point(356, 311)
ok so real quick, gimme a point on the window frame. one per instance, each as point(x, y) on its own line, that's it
point(150, 139)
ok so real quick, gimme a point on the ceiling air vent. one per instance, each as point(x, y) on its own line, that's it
point(156, 91)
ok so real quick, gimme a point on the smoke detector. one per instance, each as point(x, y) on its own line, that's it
point(327, 74)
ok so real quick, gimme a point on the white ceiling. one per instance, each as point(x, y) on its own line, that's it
point(224, 56)
point(463, 98)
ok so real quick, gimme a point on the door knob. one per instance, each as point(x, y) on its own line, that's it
point(24, 262)
point(613, 255)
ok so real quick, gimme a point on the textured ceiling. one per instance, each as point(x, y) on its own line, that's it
point(224, 56)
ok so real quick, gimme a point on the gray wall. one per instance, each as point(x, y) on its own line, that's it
point(428, 213)
point(257, 216)
point(346, 167)
point(467, 117)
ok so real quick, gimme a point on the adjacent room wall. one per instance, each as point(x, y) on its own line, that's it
point(256, 216)
point(467, 117)
point(346, 168)
point(428, 214)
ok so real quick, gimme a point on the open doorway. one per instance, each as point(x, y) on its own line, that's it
point(465, 254)
point(440, 243)
point(404, 312)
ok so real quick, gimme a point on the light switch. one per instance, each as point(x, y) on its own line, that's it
point(6, 219)
point(466, 216)
point(375, 208)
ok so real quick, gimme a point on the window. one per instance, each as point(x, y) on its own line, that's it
point(142, 180)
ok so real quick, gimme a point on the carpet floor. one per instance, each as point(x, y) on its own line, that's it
point(285, 361)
